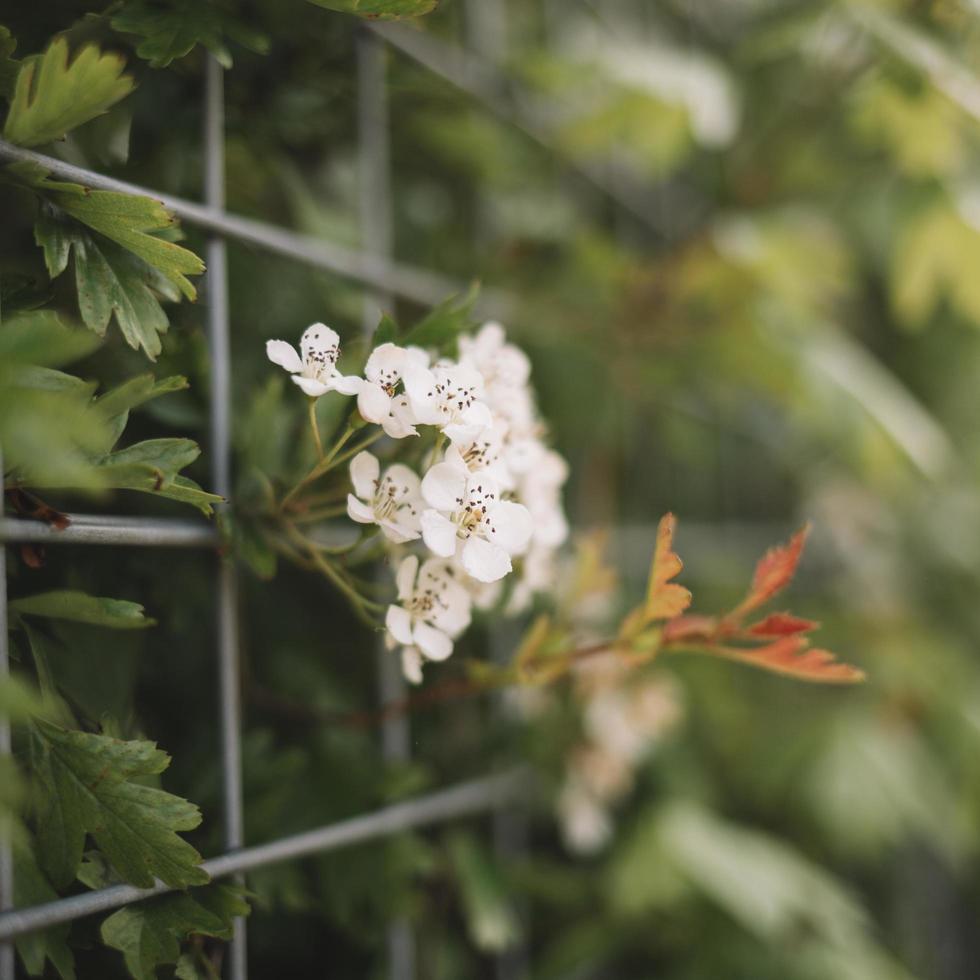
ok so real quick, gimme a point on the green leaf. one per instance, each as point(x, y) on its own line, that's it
point(149, 934)
point(445, 322)
point(380, 9)
point(81, 608)
point(18, 701)
point(84, 785)
point(108, 279)
point(31, 887)
point(936, 258)
point(42, 338)
point(169, 30)
point(490, 917)
point(116, 403)
point(386, 332)
point(52, 96)
point(9, 67)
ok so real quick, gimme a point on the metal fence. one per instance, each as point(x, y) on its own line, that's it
point(383, 277)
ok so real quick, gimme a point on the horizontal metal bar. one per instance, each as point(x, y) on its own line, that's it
point(95, 529)
point(472, 797)
point(410, 282)
point(662, 208)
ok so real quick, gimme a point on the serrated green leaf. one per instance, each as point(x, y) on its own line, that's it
point(78, 607)
point(380, 9)
point(31, 887)
point(53, 95)
point(18, 701)
point(48, 379)
point(164, 457)
point(171, 29)
point(149, 934)
point(84, 786)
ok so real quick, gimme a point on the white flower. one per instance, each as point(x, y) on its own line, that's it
point(377, 399)
point(502, 365)
point(466, 514)
point(433, 610)
point(449, 396)
point(484, 453)
point(392, 501)
point(314, 369)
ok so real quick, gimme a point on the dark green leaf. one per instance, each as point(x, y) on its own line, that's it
point(386, 331)
point(31, 887)
point(81, 608)
point(150, 933)
point(380, 9)
point(445, 322)
point(116, 403)
point(84, 786)
point(110, 280)
point(169, 30)
point(8, 66)
point(52, 96)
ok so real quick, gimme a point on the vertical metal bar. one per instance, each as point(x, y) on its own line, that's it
point(7, 964)
point(374, 153)
point(227, 613)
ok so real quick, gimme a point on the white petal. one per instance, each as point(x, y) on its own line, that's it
point(478, 414)
point(364, 471)
point(461, 435)
point(512, 525)
point(359, 511)
point(419, 384)
point(398, 533)
point(404, 476)
point(396, 429)
point(318, 338)
point(485, 561)
point(439, 533)
point(452, 615)
point(346, 384)
point(405, 576)
point(444, 486)
point(388, 359)
point(313, 388)
point(412, 665)
point(283, 354)
point(399, 624)
point(373, 403)
point(432, 642)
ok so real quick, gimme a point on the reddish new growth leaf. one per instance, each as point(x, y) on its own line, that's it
point(781, 624)
point(773, 573)
point(665, 599)
point(778, 642)
point(793, 656)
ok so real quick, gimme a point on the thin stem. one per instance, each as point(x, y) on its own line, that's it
point(315, 428)
point(321, 467)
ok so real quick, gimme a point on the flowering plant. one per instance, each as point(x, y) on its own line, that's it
point(469, 491)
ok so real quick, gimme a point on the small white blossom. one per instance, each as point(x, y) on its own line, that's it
point(449, 396)
point(485, 453)
point(391, 501)
point(502, 365)
point(433, 609)
point(466, 515)
point(378, 399)
point(314, 369)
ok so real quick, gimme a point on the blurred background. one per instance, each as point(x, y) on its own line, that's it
point(741, 243)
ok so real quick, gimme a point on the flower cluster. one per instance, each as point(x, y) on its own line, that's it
point(481, 495)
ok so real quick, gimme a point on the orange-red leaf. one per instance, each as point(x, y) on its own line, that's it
point(665, 599)
point(781, 624)
point(792, 656)
point(774, 572)
point(689, 628)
